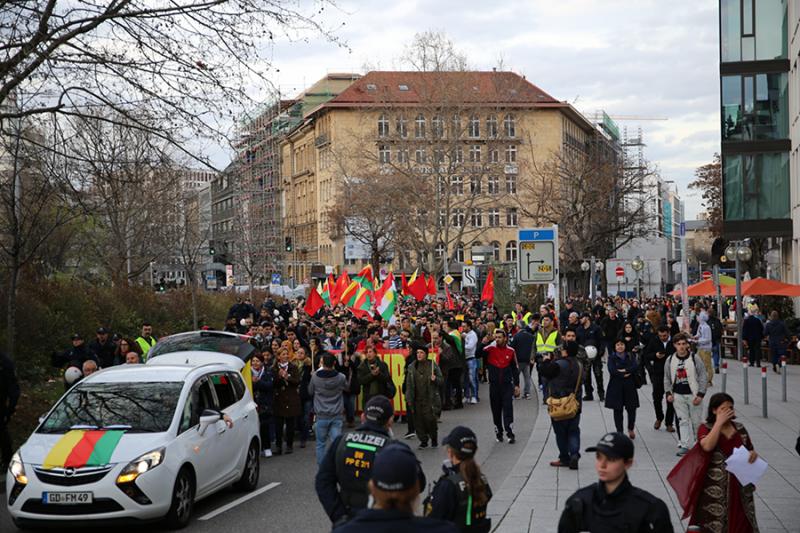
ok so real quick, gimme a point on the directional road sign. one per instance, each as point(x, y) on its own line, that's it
point(276, 278)
point(469, 276)
point(537, 259)
point(448, 279)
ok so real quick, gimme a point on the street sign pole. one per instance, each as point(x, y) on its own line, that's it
point(537, 259)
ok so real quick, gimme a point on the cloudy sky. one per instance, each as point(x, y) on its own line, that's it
point(647, 58)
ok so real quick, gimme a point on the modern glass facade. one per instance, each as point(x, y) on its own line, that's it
point(754, 90)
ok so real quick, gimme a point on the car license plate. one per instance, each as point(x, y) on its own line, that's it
point(67, 498)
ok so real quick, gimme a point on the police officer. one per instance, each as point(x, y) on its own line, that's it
point(341, 481)
point(613, 504)
point(462, 493)
point(395, 482)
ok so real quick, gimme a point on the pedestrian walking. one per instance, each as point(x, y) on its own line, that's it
point(423, 395)
point(752, 335)
point(655, 355)
point(286, 402)
point(327, 387)
point(564, 382)
point(503, 372)
point(613, 504)
point(473, 362)
point(263, 383)
point(777, 333)
point(685, 385)
point(462, 493)
point(590, 334)
point(622, 393)
point(524, 345)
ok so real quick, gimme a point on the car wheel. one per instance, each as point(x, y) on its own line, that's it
point(252, 466)
point(180, 512)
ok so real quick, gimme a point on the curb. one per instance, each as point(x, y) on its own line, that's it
point(525, 465)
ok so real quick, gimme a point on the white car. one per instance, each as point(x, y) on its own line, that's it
point(139, 442)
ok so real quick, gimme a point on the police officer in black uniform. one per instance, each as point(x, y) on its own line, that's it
point(613, 504)
point(342, 478)
point(462, 493)
point(396, 481)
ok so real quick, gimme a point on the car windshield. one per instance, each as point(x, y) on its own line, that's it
point(203, 341)
point(136, 407)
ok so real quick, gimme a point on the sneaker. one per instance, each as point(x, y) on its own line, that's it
point(266, 453)
point(588, 398)
point(716, 370)
point(527, 396)
point(423, 444)
point(573, 463)
point(498, 436)
point(434, 443)
point(409, 435)
point(511, 438)
point(473, 400)
point(682, 451)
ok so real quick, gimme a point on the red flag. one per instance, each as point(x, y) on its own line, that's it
point(487, 295)
point(432, 286)
point(314, 302)
point(404, 287)
point(450, 305)
point(418, 288)
point(341, 284)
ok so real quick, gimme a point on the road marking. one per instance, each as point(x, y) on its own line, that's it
point(236, 502)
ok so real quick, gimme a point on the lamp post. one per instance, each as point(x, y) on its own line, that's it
point(637, 265)
point(741, 252)
point(585, 267)
point(593, 267)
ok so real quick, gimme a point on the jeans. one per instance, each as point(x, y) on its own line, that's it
point(690, 416)
point(501, 402)
point(568, 438)
point(349, 406)
point(327, 430)
point(777, 351)
point(266, 430)
point(715, 354)
point(471, 379)
point(525, 368)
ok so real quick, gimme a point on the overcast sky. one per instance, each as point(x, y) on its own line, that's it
point(648, 58)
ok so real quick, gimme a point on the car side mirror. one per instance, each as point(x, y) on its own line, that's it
point(42, 417)
point(208, 418)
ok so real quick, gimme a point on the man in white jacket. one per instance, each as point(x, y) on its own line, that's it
point(685, 381)
point(704, 344)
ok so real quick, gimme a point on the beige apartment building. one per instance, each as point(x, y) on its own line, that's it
point(485, 137)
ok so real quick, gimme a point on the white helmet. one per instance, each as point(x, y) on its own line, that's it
point(72, 374)
point(243, 322)
point(591, 352)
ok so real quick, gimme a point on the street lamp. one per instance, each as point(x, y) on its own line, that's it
point(741, 253)
point(637, 265)
point(585, 267)
point(593, 267)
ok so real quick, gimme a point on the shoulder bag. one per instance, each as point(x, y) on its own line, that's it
point(566, 408)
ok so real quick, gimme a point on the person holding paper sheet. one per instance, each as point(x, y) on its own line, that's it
point(723, 505)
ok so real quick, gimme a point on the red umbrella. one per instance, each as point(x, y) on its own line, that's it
point(704, 288)
point(763, 287)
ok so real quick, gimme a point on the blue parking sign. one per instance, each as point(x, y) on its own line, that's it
point(276, 279)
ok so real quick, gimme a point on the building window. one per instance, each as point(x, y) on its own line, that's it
point(475, 153)
point(438, 155)
point(458, 255)
point(402, 155)
point(753, 30)
point(756, 187)
point(494, 217)
point(419, 127)
point(494, 155)
point(511, 184)
point(491, 127)
point(476, 217)
point(458, 217)
point(475, 185)
point(420, 156)
point(474, 129)
point(455, 127)
point(442, 218)
point(509, 126)
point(457, 184)
point(458, 155)
point(493, 184)
point(511, 154)
point(511, 216)
point(439, 250)
point(755, 107)
point(437, 125)
point(384, 153)
point(383, 126)
point(511, 251)
point(402, 126)
point(496, 250)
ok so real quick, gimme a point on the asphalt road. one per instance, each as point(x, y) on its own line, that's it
point(286, 501)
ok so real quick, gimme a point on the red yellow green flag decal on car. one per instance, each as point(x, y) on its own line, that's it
point(80, 447)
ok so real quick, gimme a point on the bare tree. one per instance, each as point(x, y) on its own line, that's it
point(708, 180)
point(191, 235)
point(433, 51)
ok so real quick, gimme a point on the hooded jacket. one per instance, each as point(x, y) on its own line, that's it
point(327, 386)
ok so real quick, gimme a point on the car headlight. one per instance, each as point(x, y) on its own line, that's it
point(17, 469)
point(139, 466)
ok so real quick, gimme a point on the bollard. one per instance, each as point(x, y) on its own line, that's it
point(784, 370)
point(764, 391)
point(746, 385)
point(724, 375)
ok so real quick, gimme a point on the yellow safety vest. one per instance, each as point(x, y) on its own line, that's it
point(525, 319)
point(548, 346)
point(145, 346)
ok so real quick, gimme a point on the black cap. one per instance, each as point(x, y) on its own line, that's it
point(102, 331)
point(614, 445)
point(463, 440)
point(76, 336)
point(395, 468)
point(379, 409)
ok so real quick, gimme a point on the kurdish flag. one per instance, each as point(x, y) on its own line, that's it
point(327, 289)
point(365, 278)
point(387, 298)
point(80, 447)
point(361, 303)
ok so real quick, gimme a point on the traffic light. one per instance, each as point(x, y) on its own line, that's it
point(288, 244)
point(211, 249)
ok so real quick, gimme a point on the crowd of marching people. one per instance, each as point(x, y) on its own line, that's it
point(309, 372)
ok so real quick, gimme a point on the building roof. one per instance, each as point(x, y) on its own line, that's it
point(473, 87)
point(697, 225)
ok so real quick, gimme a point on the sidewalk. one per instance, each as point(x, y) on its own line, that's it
point(531, 499)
